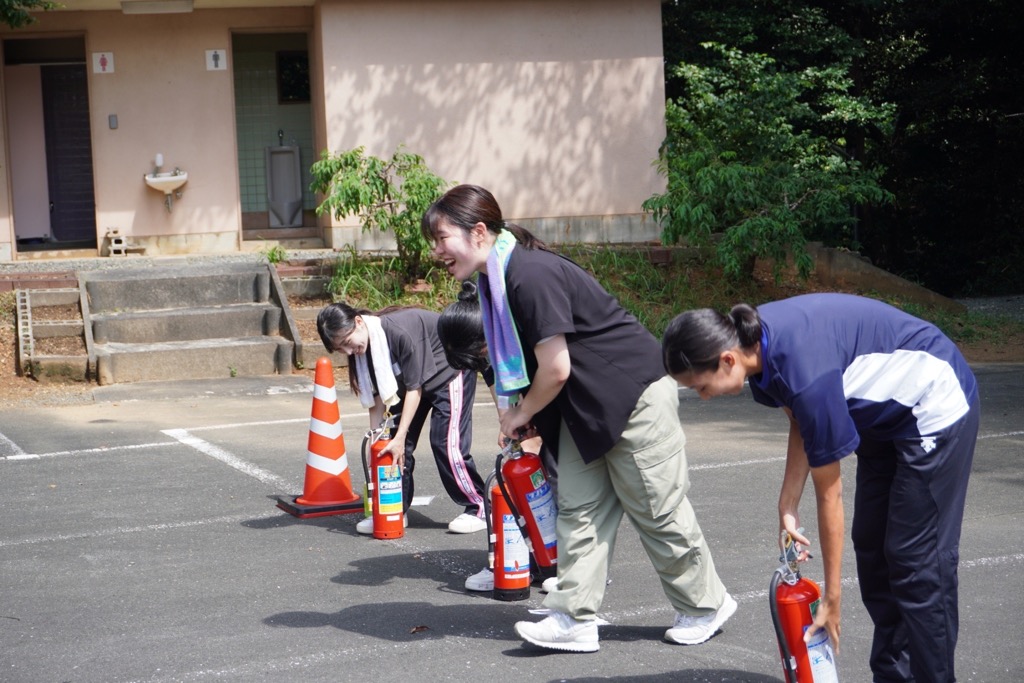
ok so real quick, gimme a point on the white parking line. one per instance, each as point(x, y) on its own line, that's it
point(117, 531)
point(229, 459)
point(86, 451)
point(998, 436)
point(738, 463)
point(13, 446)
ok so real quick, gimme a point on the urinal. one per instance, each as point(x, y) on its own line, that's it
point(284, 187)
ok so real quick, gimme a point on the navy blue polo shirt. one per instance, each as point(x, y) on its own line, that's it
point(849, 366)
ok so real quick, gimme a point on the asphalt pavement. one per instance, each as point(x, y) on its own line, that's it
point(141, 542)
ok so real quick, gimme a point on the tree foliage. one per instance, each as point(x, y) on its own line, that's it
point(390, 195)
point(755, 155)
point(949, 73)
point(17, 13)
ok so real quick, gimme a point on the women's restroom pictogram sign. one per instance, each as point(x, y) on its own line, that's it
point(103, 62)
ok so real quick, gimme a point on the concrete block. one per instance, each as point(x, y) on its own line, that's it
point(184, 324)
point(168, 288)
point(201, 359)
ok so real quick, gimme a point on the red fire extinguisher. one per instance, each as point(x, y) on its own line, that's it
point(384, 483)
point(531, 498)
point(507, 554)
point(793, 601)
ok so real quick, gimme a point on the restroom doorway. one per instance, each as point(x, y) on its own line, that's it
point(274, 125)
point(50, 144)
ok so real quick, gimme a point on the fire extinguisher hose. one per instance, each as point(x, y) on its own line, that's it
point(787, 657)
point(487, 519)
point(366, 455)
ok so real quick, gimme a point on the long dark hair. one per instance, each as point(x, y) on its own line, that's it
point(461, 330)
point(695, 340)
point(466, 205)
point(339, 319)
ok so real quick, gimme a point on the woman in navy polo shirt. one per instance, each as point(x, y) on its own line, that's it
point(855, 375)
point(592, 384)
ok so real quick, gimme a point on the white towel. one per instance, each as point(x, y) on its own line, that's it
point(387, 385)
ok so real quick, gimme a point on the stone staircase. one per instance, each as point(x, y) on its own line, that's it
point(165, 323)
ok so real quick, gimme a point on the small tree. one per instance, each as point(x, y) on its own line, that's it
point(756, 155)
point(387, 195)
point(16, 13)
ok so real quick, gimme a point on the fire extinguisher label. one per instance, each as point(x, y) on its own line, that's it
point(545, 511)
point(389, 489)
point(516, 556)
point(821, 658)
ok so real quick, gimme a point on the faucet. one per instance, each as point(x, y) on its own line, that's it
point(280, 137)
point(177, 171)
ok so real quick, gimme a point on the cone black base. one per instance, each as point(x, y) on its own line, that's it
point(293, 507)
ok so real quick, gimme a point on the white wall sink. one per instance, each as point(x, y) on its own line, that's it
point(166, 182)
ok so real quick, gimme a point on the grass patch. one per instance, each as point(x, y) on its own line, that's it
point(654, 293)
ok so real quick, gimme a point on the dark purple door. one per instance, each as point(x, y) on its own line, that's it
point(69, 153)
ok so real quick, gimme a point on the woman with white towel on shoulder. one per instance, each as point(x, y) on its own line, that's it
point(396, 361)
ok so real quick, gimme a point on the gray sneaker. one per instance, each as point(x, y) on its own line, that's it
point(689, 630)
point(559, 631)
point(483, 580)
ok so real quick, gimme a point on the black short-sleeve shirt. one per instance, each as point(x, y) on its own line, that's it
point(417, 356)
point(614, 358)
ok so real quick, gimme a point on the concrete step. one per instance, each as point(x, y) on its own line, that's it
point(198, 359)
point(185, 324)
point(10, 282)
point(151, 289)
point(189, 322)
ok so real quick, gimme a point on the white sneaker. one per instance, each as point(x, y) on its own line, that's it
point(365, 525)
point(689, 630)
point(550, 584)
point(483, 580)
point(559, 631)
point(466, 524)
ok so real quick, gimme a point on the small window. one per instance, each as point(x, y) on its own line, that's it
point(292, 77)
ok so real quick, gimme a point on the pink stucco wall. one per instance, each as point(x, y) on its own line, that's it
point(555, 106)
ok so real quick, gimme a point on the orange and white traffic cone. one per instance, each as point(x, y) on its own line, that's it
point(328, 486)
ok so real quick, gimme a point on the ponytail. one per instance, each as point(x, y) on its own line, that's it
point(695, 340)
point(461, 331)
point(748, 325)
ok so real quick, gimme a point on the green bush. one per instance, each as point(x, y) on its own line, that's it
point(387, 195)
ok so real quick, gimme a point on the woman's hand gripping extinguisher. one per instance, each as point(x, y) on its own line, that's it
point(383, 501)
point(793, 601)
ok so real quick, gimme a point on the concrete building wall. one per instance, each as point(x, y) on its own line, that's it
point(555, 105)
point(166, 101)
